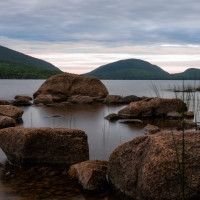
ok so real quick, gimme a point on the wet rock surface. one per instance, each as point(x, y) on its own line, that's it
point(44, 146)
point(91, 174)
point(62, 86)
point(113, 116)
point(6, 122)
point(11, 111)
point(147, 167)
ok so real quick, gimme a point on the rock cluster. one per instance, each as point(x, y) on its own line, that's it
point(153, 107)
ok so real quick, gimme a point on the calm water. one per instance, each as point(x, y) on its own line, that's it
point(103, 136)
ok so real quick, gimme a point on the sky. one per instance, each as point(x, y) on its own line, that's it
point(78, 36)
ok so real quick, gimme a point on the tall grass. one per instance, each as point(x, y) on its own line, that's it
point(188, 95)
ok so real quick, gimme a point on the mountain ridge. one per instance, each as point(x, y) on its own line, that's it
point(136, 69)
point(14, 64)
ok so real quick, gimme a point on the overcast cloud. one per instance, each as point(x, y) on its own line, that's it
point(78, 35)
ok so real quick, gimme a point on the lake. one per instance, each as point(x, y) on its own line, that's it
point(103, 136)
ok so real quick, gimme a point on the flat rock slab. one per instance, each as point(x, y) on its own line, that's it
point(11, 111)
point(6, 122)
point(44, 146)
point(44, 99)
point(131, 121)
point(91, 174)
point(147, 167)
point(24, 97)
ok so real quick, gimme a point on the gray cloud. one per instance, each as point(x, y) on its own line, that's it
point(113, 22)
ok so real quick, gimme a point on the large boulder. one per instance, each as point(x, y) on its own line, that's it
point(147, 167)
point(79, 99)
point(153, 107)
point(44, 146)
point(11, 111)
point(6, 122)
point(91, 174)
point(61, 86)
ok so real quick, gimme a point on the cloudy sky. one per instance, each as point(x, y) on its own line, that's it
point(80, 35)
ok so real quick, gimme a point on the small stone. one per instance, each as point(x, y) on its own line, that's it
point(150, 129)
point(112, 116)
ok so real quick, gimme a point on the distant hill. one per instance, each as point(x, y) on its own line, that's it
point(130, 69)
point(16, 65)
point(135, 69)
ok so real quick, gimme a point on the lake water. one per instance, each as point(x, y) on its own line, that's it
point(103, 136)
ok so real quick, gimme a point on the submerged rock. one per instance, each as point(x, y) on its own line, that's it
point(131, 121)
point(78, 99)
point(91, 174)
point(44, 146)
point(174, 115)
point(147, 167)
point(113, 116)
point(6, 122)
point(11, 111)
point(186, 124)
point(153, 107)
point(62, 86)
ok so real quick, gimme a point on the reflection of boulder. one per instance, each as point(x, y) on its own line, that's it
point(147, 167)
point(91, 174)
point(153, 107)
point(79, 99)
point(11, 111)
point(62, 86)
point(44, 99)
point(6, 122)
point(44, 146)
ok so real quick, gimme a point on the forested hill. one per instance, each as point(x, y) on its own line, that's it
point(16, 65)
point(130, 69)
point(135, 69)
